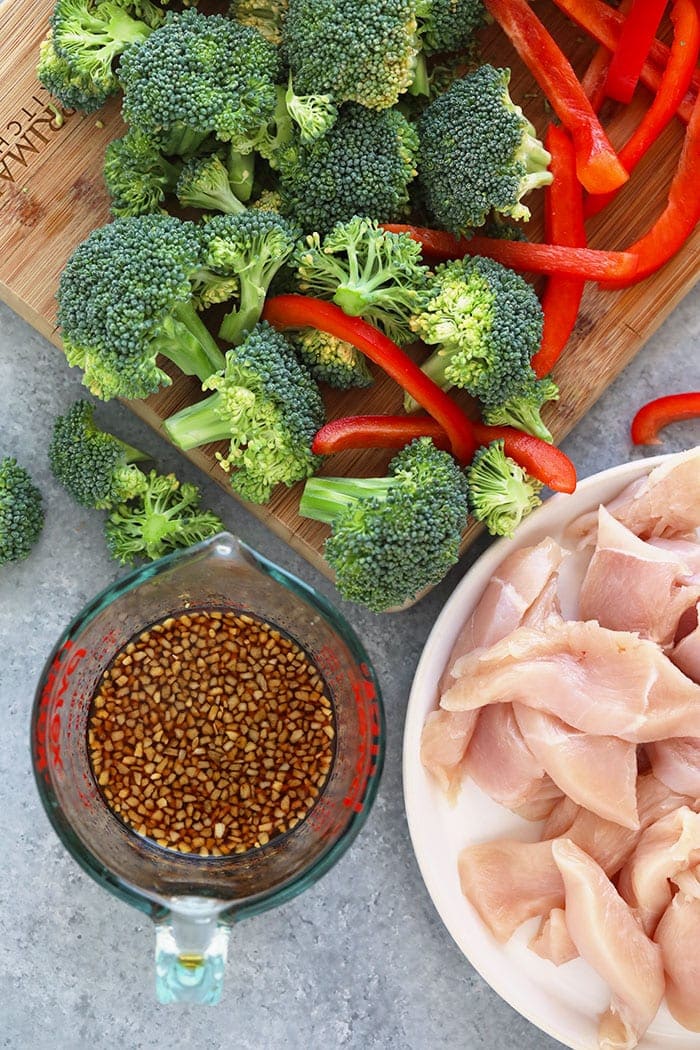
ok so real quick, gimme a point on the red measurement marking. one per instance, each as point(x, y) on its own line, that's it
point(48, 725)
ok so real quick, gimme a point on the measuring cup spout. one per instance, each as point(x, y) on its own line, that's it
point(191, 950)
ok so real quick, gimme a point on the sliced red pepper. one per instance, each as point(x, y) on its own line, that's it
point(540, 459)
point(604, 24)
point(598, 168)
point(563, 215)
point(652, 417)
point(589, 264)
point(593, 80)
point(301, 311)
point(674, 84)
point(636, 37)
point(681, 214)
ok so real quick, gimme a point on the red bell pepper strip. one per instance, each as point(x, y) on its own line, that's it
point(655, 415)
point(681, 214)
point(636, 37)
point(597, 165)
point(563, 224)
point(590, 264)
point(674, 84)
point(604, 24)
point(593, 80)
point(540, 459)
point(301, 311)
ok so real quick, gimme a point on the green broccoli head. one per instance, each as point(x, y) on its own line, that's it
point(449, 25)
point(60, 78)
point(199, 75)
point(478, 152)
point(264, 15)
point(392, 537)
point(137, 175)
point(331, 360)
point(368, 272)
point(522, 409)
point(125, 296)
point(204, 183)
point(251, 246)
point(363, 53)
point(96, 468)
point(21, 512)
point(267, 406)
point(165, 517)
point(487, 322)
point(501, 494)
point(362, 166)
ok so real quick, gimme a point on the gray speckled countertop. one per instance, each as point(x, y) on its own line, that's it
point(361, 959)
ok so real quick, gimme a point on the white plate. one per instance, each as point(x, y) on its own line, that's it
point(563, 1001)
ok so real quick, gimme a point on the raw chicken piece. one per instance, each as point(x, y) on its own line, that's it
point(631, 585)
point(666, 848)
point(686, 653)
point(685, 550)
point(508, 882)
point(607, 935)
point(443, 745)
point(665, 502)
point(539, 808)
point(678, 936)
point(552, 940)
point(677, 763)
point(597, 772)
point(609, 683)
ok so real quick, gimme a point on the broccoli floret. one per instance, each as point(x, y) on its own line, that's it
point(21, 512)
point(125, 296)
point(96, 468)
point(361, 166)
point(331, 360)
point(264, 15)
point(137, 175)
point(522, 409)
point(268, 200)
point(477, 152)
point(253, 247)
point(450, 25)
point(392, 537)
point(368, 272)
point(200, 75)
point(501, 494)
point(267, 406)
point(89, 38)
point(313, 114)
point(355, 52)
point(204, 183)
point(59, 77)
point(487, 322)
point(165, 517)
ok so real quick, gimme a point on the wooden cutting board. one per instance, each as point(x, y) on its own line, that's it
point(52, 195)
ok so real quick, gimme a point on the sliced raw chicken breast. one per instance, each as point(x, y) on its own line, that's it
point(597, 772)
point(552, 940)
point(678, 936)
point(631, 585)
point(609, 683)
point(508, 882)
point(607, 935)
point(687, 551)
point(443, 745)
point(676, 762)
point(686, 653)
point(669, 846)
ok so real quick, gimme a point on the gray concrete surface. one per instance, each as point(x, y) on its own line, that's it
point(362, 959)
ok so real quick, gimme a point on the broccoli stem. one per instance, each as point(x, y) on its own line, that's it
point(420, 85)
point(241, 169)
point(434, 367)
point(182, 141)
point(199, 424)
point(323, 498)
point(185, 340)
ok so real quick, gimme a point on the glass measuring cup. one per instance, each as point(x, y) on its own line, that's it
point(194, 900)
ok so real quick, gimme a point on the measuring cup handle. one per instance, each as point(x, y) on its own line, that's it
point(190, 958)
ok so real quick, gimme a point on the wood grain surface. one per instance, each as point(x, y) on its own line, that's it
point(52, 195)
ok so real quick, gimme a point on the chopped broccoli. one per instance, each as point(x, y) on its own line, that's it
point(200, 75)
point(204, 183)
point(126, 295)
point(522, 409)
point(21, 512)
point(72, 89)
point(252, 246)
point(268, 200)
point(355, 52)
point(501, 494)
point(477, 152)
point(137, 175)
point(450, 25)
point(331, 360)
point(267, 406)
point(97, 469)
point(392, 537)
point(361, 166)
point(368, 272)
point(165, 517)
point(264, 15)
point(487, 322)
point(313, 114)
